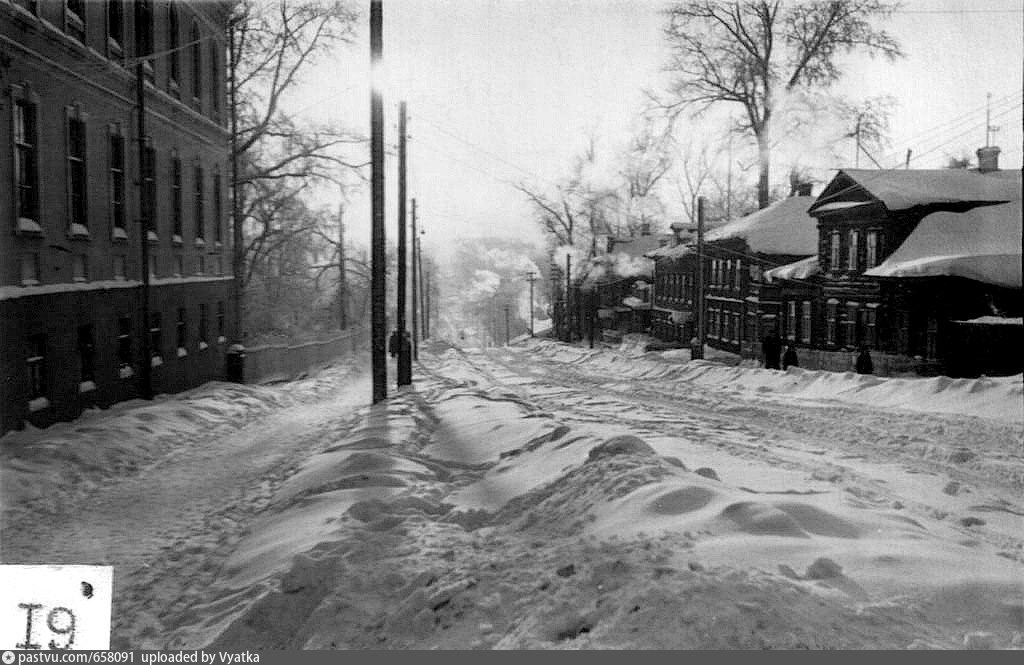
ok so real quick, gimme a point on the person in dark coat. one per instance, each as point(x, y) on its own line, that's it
point(772, 348)
point(789, 358)
point(393, 344)
point(864, 364)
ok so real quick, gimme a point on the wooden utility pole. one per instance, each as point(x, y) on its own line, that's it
point(698, 353)
point(342, 277)
point(426, 303)
point(415, 293)
point(531, 277)
point(378, 288)
point(145, 220)
point(568, 285)
point(424, 329)
point(404, 350)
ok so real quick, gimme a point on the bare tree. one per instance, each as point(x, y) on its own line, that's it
point(276, 155)
point(756, 53)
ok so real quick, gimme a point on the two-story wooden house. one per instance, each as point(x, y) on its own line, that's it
point(741, 306)
point(863, 216)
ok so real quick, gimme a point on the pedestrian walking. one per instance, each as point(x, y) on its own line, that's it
point(789, 358)
point(864, 364)
point(771, 346)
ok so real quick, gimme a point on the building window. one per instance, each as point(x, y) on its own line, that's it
point(871, 326)
point(74, 19)
point(179, 265)
point(86, 354)
point(124, 345)
point(220, 321)
point(805, 322)
point(854, 249)
point(30, 269)
point(181, 330)
point(35, 361)
point(871, 250)
point(77, 184)
point(117, 205)
point(198, 203)
point(115, 27)
point(832, 322)
point(852, 334)
point(80, 268)
point(30, 5)
point(200, 265)
point(119, 268)
point(195, 48)
point(152, 265)
point(791, 320)
point(26, 166)
point(834, 248)
point(220, 264)
point(143, 28)
point(155, 337)
point(931, 339)
point(148, 194)
point(218, 211)
point(203, 317)
point(176, 199)
point(215, 78)
point(173, 48)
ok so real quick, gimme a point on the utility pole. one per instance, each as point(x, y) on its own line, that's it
point(424, 328)
point(378, 294)
point(415, 293)
point(856, 133)
point(698, 353)
point(342, 278)
point(145, 220)
point(568, 284)
point(404, 350)
point(531, 277)
point(426, 304)
point(507, 337)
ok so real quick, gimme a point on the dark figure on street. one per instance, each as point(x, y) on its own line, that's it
point(864, 364)
point(772, 348)
point(789, 357)
point(393, 344)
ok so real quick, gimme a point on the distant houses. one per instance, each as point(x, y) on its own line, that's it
point(922, 268)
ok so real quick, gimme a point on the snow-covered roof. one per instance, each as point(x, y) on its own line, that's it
point(801, 269)
point(636, 247)
point(982, 244)
point(902, 189)
point(781, 228)
point(995, 321)
point(670, 252)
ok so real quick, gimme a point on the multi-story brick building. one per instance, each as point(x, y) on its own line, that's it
point(71, 305)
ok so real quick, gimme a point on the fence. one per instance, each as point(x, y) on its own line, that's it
point(280, 362)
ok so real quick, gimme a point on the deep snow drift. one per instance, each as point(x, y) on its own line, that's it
point(557, 497)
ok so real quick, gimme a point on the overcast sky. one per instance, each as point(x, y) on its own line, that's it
point(503, 91)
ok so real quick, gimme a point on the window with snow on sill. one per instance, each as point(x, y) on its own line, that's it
point(182, 352)
point(86, 387)
point(152, 236)
point(126, 372)
point(120, 234)
point(156, 361)
point(79, 231)
point(38, 404)
point(222, 339)
point(29, 225)
point(203, 345)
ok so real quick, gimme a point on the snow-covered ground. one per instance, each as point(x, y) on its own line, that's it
point(543, 495)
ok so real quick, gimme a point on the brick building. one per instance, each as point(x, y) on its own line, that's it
point(71, 317)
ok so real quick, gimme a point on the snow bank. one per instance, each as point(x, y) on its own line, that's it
point(990, 397)
point(47, 467)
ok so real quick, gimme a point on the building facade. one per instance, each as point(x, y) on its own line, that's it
point(71, 286)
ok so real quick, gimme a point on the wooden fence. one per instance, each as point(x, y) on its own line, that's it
point(281, 362)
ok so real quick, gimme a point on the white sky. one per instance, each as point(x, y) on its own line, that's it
point(508, 91)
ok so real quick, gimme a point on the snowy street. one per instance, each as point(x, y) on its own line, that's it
point(547, 496)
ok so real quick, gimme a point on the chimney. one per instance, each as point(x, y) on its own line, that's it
point(988, 158)
point(804, 189)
